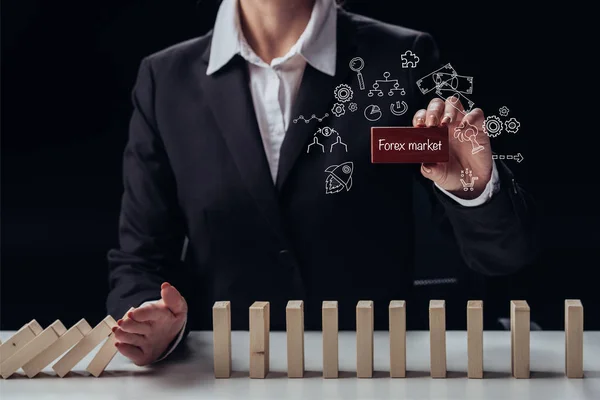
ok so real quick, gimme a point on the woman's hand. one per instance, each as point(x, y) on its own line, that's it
point(145, 333)
point(470, 164)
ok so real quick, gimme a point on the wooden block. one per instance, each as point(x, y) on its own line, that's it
point(294, 313)
point(475, 339)
point(62, 344)
point(364, 339)
point(330, 339)
point(259, 339)
point(519, 338)
point(222, 339)
point(409, 144)
point(84, 346)
point(397, 322)
point(573, 339)
point(17, 341)
point(38, 344)
point(104, 356)
point(437, 338)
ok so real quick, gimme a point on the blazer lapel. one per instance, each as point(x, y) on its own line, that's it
point(315, 96)
point(232, 106)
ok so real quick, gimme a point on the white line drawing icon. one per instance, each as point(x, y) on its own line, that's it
point(353, 107)
point(504, 111)
point(316, 145)
point(338, 141)
point(343, 93)
point(512, 125)
point(301, 118)
point(467, 179)
point(326, 131)
point(451, 95)
point(399, 108)
point(339, 178)
point(467, 132)
point(517, 157)
point(432, 81)
point(409, 59)
point(447, 83)
point(338, 109)
point(452, 81)
point(356, 65)
point(386, 81)
point(492, 126)
point(373, 112)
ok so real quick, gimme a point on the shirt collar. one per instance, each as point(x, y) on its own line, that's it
point(317, 44)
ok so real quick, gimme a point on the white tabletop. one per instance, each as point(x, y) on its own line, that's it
point(191, 377)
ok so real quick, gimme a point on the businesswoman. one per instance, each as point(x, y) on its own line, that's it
point(247, 174)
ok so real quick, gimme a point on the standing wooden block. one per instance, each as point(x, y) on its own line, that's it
point(437, 338)
point(475, 339)
point(574, 338)
point(259, 339)
point(222, 339)
point(364, 339)
point(294, 314)
point(104, 356)
point(38, 344)
point(519, 338)
point(17, 341)
point(330, 339)
point(62, 344)
point(84, 346)
point(397, 321)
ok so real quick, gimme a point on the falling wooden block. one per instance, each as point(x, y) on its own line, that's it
point(56, 349)
point(294, 313)
point(437, 338)
point(17, 341)
point(364, 339)
point(259, 339)
point(104, 356)
point(84, 346)
point(397, 322)
point(573, 338)
point(222, 339)
point(330, 339)
point(475, 339)
point(38, 344)
point(519, 338)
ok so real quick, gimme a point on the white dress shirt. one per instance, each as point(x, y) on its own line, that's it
point(274, 86)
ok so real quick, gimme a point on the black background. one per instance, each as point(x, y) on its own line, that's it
point(67, 72)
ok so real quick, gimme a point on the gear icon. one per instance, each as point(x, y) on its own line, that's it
point(504, 111)
point(512, 125)
point(338, 109)
point(353, 107)
point(343, 93)
point(492, 126)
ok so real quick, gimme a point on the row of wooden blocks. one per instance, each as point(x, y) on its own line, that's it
point(33, 348)
point(259, 339)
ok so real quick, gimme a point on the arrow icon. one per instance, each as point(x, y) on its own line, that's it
point(517, 157)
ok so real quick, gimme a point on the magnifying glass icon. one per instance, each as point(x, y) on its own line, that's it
point(356, 65)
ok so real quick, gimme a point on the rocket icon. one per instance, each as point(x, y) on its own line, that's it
point(339, 178)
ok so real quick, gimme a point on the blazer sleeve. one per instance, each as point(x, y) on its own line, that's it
point(498, 237)
point(151, 227)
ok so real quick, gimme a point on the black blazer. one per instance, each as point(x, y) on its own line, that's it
point(194, 166)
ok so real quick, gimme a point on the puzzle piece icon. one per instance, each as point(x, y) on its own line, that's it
point(409, 59)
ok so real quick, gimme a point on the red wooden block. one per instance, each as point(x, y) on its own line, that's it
point(390, 145)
